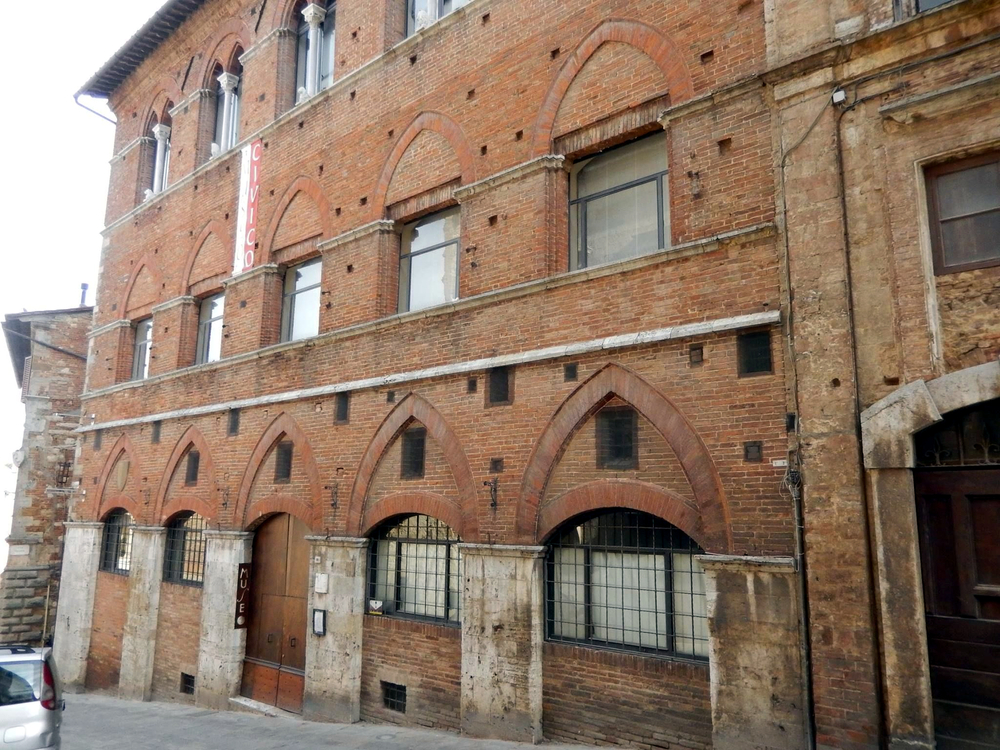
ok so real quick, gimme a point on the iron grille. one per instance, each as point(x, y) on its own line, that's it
point(617, 438)
point(155, 434)
point(413, 449)
point(116, 544)
point(193, 463)
point(625, 580)
point(966, 437)
point(184, 558)
point(233, 428)
point(342, 408)
point(283, 462)
point(187, 683)
point(414, 569)
point(754, 353)
point(65, 474)
point(499, 379)
point(394, 696)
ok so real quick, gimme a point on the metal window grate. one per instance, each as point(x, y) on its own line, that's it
point(394, 696)
point(154, 436)
point(234, 423)
point(754, 353)
point(500, 389)
point(64, 476)
point(342, 407)
point(570, 372)
point(187, 683)
point(283, 462)
point(413, 451)
point(617, 438)
point(184, 557)
point(414, 569)
point(625, 580)
point(116, 544)
point(193, 463)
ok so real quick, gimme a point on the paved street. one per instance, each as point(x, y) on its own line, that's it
point(94, 722)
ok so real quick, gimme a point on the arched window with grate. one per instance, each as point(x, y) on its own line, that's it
point(414, 569)
point(626, 580)
point(116, 544)
point(184, 558)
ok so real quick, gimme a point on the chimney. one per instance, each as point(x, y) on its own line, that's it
point(83, 294)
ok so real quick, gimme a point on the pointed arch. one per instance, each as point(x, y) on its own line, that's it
point(312, 189)
point(124, 498)
point(415, 407)
point(145, 263)
point(228, 36)
point(658, 47)
point(680, 434)
point(283, 15)
point(244, 515)
point(192, 438)
point(167, 91)
point(221, 231)
point(440, 124)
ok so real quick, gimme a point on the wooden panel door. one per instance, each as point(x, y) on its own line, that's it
point(274, 669)
point(958, 515)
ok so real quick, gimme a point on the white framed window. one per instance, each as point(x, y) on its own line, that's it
point(428, 261)
point(141, 349)
point(422, 13)
point(226, 133)
point(619, 204)
point(318, 63)
point(210, 325)
point(300, 301)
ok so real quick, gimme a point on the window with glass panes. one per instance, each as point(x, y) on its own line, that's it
point(116, 543)
point(327, 53)
point(428, 263)
point(422, 13)
point(964, 202)
point(414, 569)
point(210, 319)
point(619, 205)
point(300, 301)
point(184, 556)
point(626, 580)
point(141, 349)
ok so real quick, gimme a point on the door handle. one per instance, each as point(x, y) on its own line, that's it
point(292, 642)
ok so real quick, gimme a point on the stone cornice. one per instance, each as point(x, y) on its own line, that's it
point(748, 564)
point(108, 327)
point(128, 147)
point(711, 99)
point(521, 551)
point(339, 541)
point(187, 100)
point(263, 42)
point(175, 302)
point(83, 524)
point(945, 100)
point(520, 171)
point(263, 270)
point(381, 225)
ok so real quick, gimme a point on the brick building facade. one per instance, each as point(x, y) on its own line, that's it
point(48, 353)
point(566, 385)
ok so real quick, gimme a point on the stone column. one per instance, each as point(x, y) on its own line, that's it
point(142, 611)
point(314, 16)
point(503, 617)
point(228, 81)
point(333, 661)
point(909, 708)
point(222, 646)
point(755, 637)
point(75, 613)
point(162, 135)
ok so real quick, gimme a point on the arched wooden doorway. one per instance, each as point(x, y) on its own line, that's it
point(957, 485)
point(274, 667)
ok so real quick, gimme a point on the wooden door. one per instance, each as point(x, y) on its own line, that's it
point(958, 515)
point(274, 668)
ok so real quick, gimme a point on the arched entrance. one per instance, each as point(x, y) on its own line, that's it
point(957, 491)
point(274, 667)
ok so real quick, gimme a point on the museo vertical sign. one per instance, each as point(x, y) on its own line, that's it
point(242, 618)
point(246, 212)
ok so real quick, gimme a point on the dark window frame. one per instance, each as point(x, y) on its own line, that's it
point(289, 299)
point(192, 466)
point(185, 546)
point(606, 419)
point(119, 528)
point(408, 443)
point(931, 175)
point(342, 407)
point(742, 341)
point(283, 464)
point(490, 374)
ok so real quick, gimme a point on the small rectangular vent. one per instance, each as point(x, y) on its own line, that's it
point(342, 408)
point(154, 436)
point(394, 696)
point(234, 423)
point(193, 462)
point(98, 434)
point(501, 386)
point(283, 462)
point(754, 353)
point(414, 440)
point(187, 683)
point(570, 372)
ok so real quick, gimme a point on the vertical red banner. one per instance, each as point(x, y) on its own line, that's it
point(246, 213)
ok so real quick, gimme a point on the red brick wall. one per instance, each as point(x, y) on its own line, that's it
point(178, 633)
point(426, 658)
point(104, 659)
point(609, 698)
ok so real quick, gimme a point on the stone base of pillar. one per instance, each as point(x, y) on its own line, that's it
point(75, 613)
point(755, 653)
point(142, 612)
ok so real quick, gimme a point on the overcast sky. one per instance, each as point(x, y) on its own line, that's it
point(57, 176)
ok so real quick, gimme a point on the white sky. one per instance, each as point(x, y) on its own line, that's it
point(52, 200)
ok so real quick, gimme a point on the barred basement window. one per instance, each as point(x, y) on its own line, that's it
point(394, 696)
point(753, 352)
point(191, 475)
point(414, 569)
point(187, 683)
point(283, 462)
point(626, 580)
point(184, 557)
point(501, 386)
point(617, 438)
point(116, 543)
point(413, 450)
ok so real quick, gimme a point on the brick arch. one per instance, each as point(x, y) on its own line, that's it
point(183, 504)
point(440, 124)
point(125, 500)
point(125, 503)
point(228, 36)
point(680, 434)
point(658, 47)
point(408, 503)
point(283, 15)
point(622, 493)
point(215, 227)
point(415, 407)
point(192, 438)
point(145, 262)
point(283, 425)
point(167, 91)
point(312, 189)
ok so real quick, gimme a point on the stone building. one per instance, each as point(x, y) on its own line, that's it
point(549, 369)
point(48, 353)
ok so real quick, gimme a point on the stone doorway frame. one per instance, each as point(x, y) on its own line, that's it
point(887, 430)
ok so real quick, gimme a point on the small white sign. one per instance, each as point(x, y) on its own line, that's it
point(19, 550)
point(780, 462)
point(322, 582)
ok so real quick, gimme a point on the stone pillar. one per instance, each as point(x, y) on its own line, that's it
point(75, 613)
point(333, 661)
point(907, 685)
point(314, 15)
point(503, 618)
point(142, 613)
point(162, 135)
point(222, 646)
point(228, 81)
point(755, 637)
